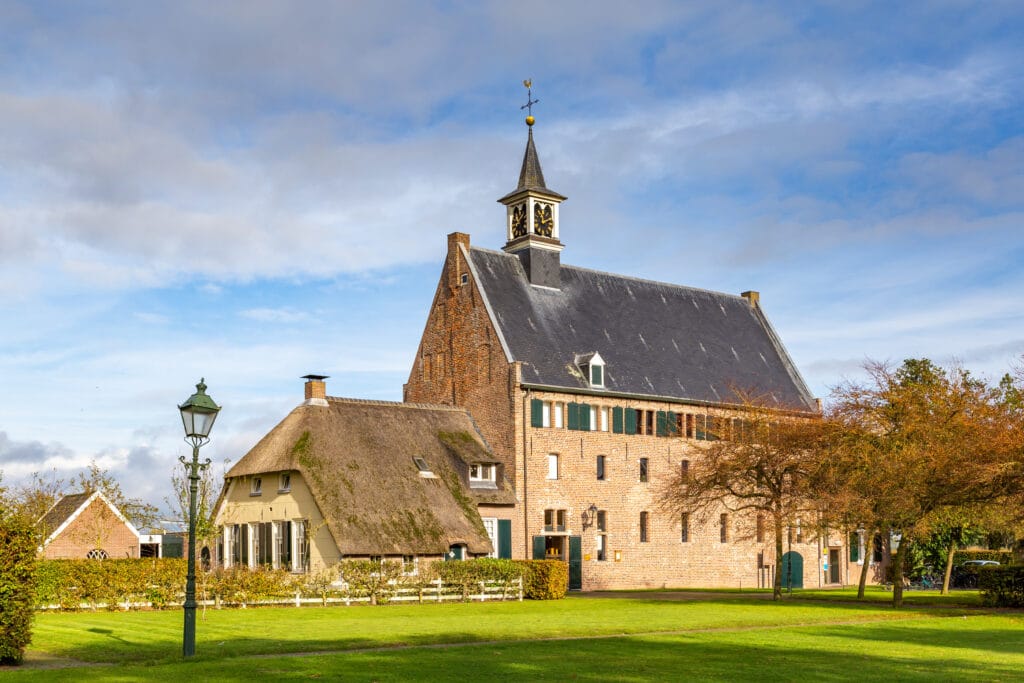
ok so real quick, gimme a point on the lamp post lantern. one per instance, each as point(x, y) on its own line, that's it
point(197, 415)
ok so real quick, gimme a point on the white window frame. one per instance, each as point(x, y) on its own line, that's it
point(256, 486)
point(284, 482)
point(483, 472)
point(559, 415)
point(414, 562)
point(593, 418)
point(604, 418)
point(552, 466)
point(546, 414)
point(491, 525)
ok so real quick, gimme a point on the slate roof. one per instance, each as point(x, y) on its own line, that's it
point(356, 456)
point(62, 511)
point(657, 339)
point(531, 176)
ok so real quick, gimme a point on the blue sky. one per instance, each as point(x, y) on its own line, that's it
point(254, 191)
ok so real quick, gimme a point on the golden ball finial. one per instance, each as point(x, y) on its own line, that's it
point(529, 120)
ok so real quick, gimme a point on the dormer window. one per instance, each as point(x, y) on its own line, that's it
point(423, 467)
point(483, 475)
point(592, 367)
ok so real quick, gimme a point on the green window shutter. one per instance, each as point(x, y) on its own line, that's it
point(596, 376)
point(505, 539)
point(574, 415)
point(662, 423)
point(673, 423)
point(700, 434)
point(630, 421)
point(617, 420)
point(538, 548)
point(536, 412)
point(854, 546)
point(584, 417)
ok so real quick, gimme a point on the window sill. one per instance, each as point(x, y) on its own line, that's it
point(255, 494)
point(284, 490)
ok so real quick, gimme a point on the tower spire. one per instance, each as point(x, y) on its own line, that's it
point(532, 212)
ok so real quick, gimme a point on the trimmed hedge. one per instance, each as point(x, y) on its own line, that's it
point(544, 579)
point(17, 586)
point(1000, 556)
point(113, 583)
point(1001, 586)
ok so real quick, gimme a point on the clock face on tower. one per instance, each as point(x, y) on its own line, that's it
point(543, 222)
point(519, 221)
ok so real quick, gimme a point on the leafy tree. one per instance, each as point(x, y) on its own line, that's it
point(206, 499)
point(762, 469)
point(18, 543)
point(96, 478)
point(915, 441)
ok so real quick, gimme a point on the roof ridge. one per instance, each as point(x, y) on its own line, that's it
point(398, 404)
point(619, 275)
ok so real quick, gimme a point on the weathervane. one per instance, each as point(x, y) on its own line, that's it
point(529, 102)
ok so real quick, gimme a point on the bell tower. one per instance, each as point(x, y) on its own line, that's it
point(531, 222)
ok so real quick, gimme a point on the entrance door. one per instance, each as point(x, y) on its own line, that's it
point(833, 565)
point(575, 563)
point(792, 570)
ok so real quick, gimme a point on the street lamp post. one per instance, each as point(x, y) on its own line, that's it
point(197, 415)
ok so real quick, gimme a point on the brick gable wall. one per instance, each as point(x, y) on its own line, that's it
point(97, 527)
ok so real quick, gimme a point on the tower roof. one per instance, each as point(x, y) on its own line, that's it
point(531, 176)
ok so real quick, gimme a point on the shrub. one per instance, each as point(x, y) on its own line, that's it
point(1002, 586)
point(470, 573)
point(70, 583)
point(1000, 556)
point(373, 578)
point(241, 585)
point(544, 579)
point(17, 586)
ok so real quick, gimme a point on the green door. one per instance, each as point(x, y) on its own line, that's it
point(538, 548)
point(792, 570)
point(505, 539)
point(575, 563)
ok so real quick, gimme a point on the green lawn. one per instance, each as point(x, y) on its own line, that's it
point(728, 637)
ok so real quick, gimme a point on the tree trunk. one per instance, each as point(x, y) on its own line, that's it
point(897, 572)
point(949, 567)
point(777, 582)
point(864, 570)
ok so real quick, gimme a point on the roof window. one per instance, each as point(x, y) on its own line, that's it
point(592, 367)
point(423, 467)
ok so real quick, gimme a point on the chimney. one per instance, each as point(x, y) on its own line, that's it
point(752, 297)
point(316, 390)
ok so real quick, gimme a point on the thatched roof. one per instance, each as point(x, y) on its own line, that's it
point(356, 457)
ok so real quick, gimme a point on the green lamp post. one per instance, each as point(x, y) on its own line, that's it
point(197, 415)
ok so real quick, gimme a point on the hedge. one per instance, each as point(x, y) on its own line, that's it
point(1001, 586)
point(1000, 556)
point(544, 579)
point(17, 586)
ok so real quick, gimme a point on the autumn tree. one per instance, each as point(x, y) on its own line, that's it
point(760, 468)
point(914, 441)
point(206, 499)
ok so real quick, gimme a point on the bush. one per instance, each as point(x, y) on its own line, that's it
point(241, 585)
point(1000, 556)
point(544, 579)
point(71, 583)
point(470, 573)
point(17, 586)
point(373, 578)
point(1002, 586)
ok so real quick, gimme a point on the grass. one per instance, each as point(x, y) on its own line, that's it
point(621, 639)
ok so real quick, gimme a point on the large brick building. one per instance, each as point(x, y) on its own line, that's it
point(592, 389)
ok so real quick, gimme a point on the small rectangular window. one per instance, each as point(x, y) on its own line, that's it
point(602, 547)
point(482, 473)
point(409, 565)
point(423, 467)
point(284, 484)
point(648, 422)
point(643, 527)
point(723, 533)
point(552, 466)
point(604, 419)
point(684, 468)
point(600, 467)
point(593, 418)
point(684, 521)
point(602, 520)
point(554, 520)
point(596, 375)
point(643, 469)
point(546, 414)
point(559, 410)
point(256, 487)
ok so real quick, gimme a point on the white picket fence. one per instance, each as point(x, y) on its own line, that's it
point(340, 594)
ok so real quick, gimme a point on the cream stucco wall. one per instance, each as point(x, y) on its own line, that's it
point(241, 506)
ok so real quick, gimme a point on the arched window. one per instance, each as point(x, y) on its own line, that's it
point(97, 554)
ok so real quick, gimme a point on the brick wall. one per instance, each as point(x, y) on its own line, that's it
point(97, 527)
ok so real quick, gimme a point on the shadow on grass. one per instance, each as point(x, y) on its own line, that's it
point(787, 654)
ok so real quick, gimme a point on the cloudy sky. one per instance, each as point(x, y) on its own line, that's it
point(253, 191)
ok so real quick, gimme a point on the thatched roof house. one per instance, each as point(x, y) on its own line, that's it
point(361, 478)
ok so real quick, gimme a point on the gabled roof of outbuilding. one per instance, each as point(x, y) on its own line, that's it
point(69, 507)
point(356, 456)
point(656, 339)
